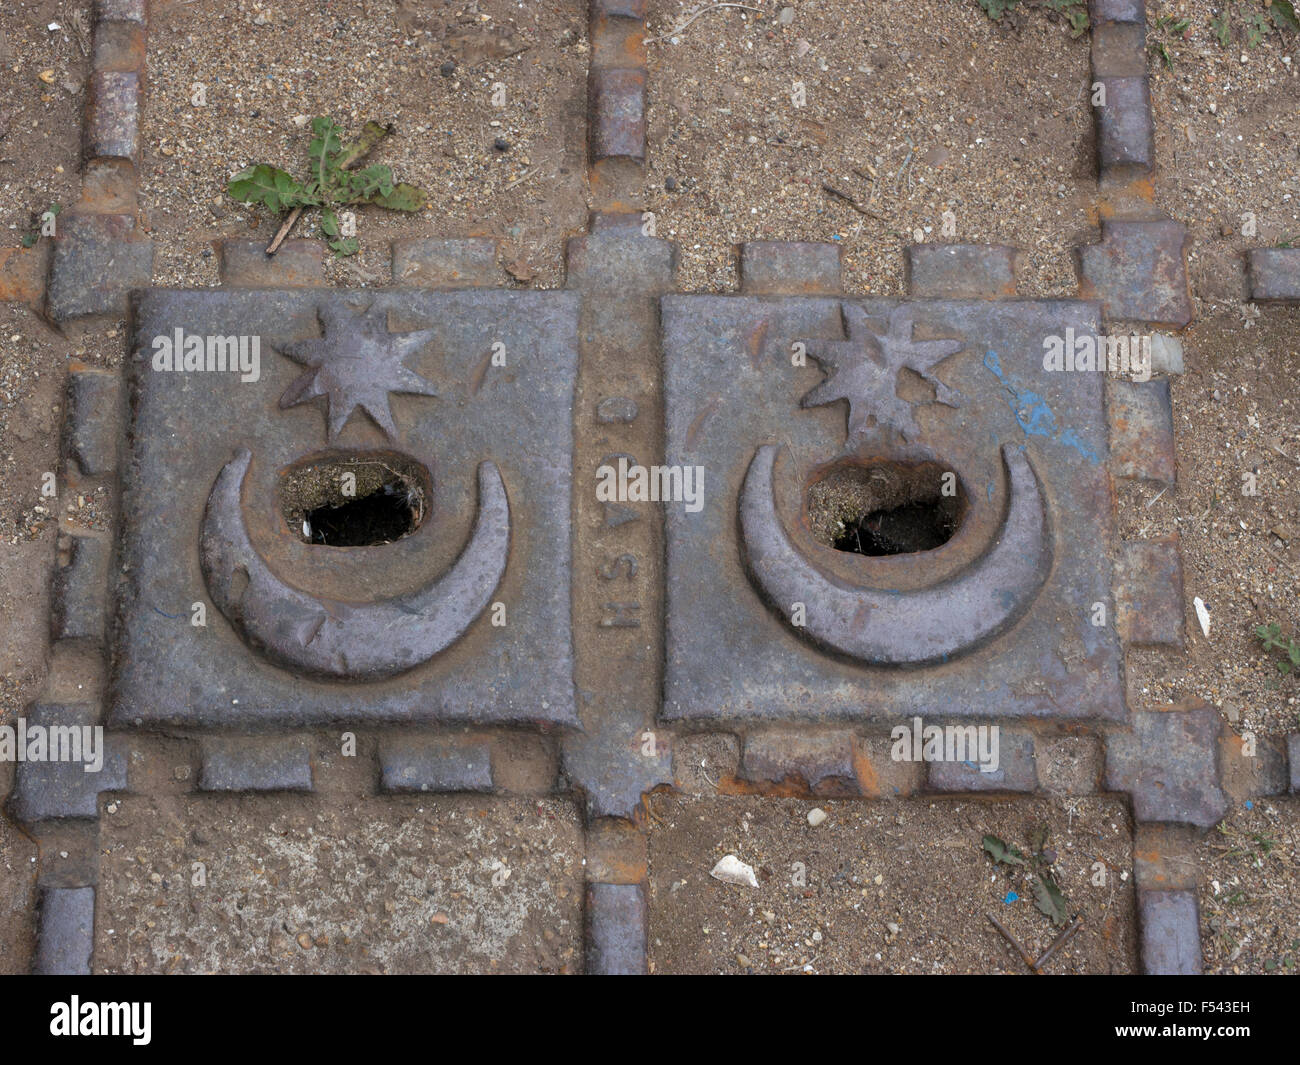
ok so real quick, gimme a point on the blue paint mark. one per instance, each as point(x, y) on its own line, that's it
point(989, 491)
point(1033, 414)
point(1011, 897)
point(165, 614)
point(1249, 805)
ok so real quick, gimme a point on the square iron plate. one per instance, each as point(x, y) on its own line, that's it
point(509, 660)
point(733, 384)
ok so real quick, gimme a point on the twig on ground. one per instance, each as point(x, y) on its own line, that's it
point(1024, 954)
point(1058, 943)
point(702, 11)
point(831, 190)
point(907, 163)
point(283, 231)
point(521, 178)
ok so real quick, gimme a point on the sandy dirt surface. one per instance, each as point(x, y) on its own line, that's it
point(910, 110)
point(268, 884)
point(514, 171)
point(897, 887)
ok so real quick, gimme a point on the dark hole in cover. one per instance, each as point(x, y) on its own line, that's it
point(382, 516)
point(885, 508)
point(358, 500)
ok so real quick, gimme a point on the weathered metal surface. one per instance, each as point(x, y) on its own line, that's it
point(284, 613)
point(887, 626)
point(1275, 274)
point(1139, 272)
point(961, 271)
point(1125, 130)
point(131, 10)
point(788, 268)
point(48, 790)
point(1169, 763)
point(91, 427)
point(813, 759)
point(1171, 933)
point(119, 46)
point(618, 113)
point(616, 929)
point(446, 263)
point(1017, 768)
point(255, 763)
point(618, 755)
point(66, 934)
point(1149, 607)
point(297, 264)
point(78, 589)
point(425, 764)
point(316, 636)
point(112, 126)
point(732, 391)
point(1119, 50)
point(98, 260)
point(1117, 10)
point(1142, 430)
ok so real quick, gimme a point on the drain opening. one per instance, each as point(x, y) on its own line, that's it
point(354, 502)
point(885, 508)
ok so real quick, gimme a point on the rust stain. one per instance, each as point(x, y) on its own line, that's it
point(792, 787)
point(868, 778)
point(697, 423)
point(22, 273)
point(480, 372)
point(756, 339)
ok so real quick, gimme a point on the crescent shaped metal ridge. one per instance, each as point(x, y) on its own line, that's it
point(335, 639)
point(897, 628)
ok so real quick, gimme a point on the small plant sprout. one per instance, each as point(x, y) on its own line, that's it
point(331, 183)
point(1271, 637)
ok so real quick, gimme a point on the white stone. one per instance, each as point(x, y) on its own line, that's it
point(731, 870)
point(1166, 354)
point(816, 816)
point(1202, 615)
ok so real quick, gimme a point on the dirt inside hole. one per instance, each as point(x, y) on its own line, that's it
point(885, 508)
point(358, 501)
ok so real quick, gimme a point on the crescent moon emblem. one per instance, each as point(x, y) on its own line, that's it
point(881, 627)
point(335, 639)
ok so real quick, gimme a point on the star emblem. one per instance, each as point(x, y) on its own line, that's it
point(356, 363)
point(864, 370)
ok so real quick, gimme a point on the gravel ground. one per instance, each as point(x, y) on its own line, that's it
point(515, 171)
point(42, 80)
point(1235, 413)
point(309, 886)
point(1227, 140)
point(1002, 139)
point(911, 109)
point(898, 887)
point(1250, 890)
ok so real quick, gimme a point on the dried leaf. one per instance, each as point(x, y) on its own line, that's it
point(1002, 852)
point(1049, 900)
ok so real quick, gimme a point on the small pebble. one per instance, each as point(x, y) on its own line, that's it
point(731, 870)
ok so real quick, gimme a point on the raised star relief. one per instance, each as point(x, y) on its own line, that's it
point(356, 363)
point(864, 371)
